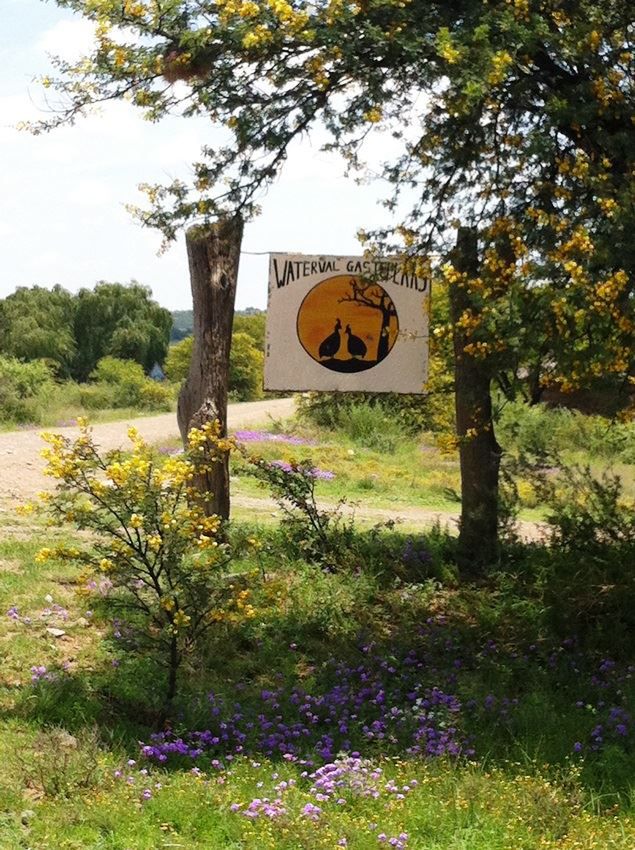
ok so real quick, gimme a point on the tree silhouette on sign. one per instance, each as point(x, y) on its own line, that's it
point(373, 296)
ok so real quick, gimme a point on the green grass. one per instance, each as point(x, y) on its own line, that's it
point(64, 743)
point(59, 416)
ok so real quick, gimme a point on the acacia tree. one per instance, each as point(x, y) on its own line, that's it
point(514, 119)
point(368, 295)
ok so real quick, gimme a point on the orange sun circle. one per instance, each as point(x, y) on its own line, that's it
point(347, 324)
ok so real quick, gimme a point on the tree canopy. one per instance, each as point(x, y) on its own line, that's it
point(122, 321)
point(38, 323)
point(73, 332)
point(513, 117)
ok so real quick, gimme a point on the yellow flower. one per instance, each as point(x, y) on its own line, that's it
point(155, 542)
point(181, 620)
point(136, 521)
point(43, 556)
point(374, 115)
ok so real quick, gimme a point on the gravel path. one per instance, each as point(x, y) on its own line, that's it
point(21, 467)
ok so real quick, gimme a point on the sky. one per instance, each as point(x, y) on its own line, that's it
point(63, 194)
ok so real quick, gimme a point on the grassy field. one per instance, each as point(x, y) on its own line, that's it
point(384, 703)
point(67, 415)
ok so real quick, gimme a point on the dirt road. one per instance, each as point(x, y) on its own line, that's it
point(21, 467)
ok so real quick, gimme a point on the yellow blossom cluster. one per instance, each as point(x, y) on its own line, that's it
point(500, 62)
point(152, 541)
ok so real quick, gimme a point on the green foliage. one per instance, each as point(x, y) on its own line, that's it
point(326, 537)
point(120, 321)
point(315, 535)
point(539, 432)
point(372, 426)
point(122, 383)
point(251, 322)
point(395, 415)
point(246, 365)
point(24, 389)
point(179, 357)
point(590, 515)
point(161, 555)
point(73, 332)
point(38, 324)
point(582, 580)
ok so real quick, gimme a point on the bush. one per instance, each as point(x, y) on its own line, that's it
point(122, 383)
point(539, 432)
point(409, 413)
point(177, 363)
point(246, 366)
point(372, 427)
point(24, 389)
point(246, 369)
point(154, 553)
point(588, 577)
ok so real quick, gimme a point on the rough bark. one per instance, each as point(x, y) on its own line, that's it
point(213, 255)
point(479, 451)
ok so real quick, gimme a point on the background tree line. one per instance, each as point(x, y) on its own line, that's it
point(62, 354)
point(73, 332)
point(246, 367)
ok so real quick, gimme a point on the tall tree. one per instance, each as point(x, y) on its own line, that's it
point(37, 323)
point(121, 321)
point(514, 118)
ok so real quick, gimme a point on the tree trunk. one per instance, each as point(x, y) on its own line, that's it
point(213, 255)
point(479, 451)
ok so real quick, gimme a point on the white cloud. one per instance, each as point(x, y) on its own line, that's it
point(69, 39)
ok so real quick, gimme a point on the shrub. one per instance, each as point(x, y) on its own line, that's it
point(538, 432)
point(57, 764)
point(372, 426)
point(154, 553)
point(587, 573)
point(246, 366)
point(24, 389)
point(177, 362)
point(406, 413)
point(122, 383)
point(325, 537)
point(315, 535)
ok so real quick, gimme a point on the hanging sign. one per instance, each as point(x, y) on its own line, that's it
point(346, 324)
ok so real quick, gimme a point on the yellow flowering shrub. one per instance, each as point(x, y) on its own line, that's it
point(155, 555)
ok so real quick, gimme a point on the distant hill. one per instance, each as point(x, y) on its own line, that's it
point(182, 323)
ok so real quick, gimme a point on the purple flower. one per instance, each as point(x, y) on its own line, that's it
point(40, 673)
point(266, 437)
point(311, 811)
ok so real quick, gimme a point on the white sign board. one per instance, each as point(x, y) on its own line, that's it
point(345, 324)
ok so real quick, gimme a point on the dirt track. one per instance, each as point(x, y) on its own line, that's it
point(21, 467)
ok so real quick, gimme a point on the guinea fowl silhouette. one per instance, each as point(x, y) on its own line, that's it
point(356, 345)
point(330, 346)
